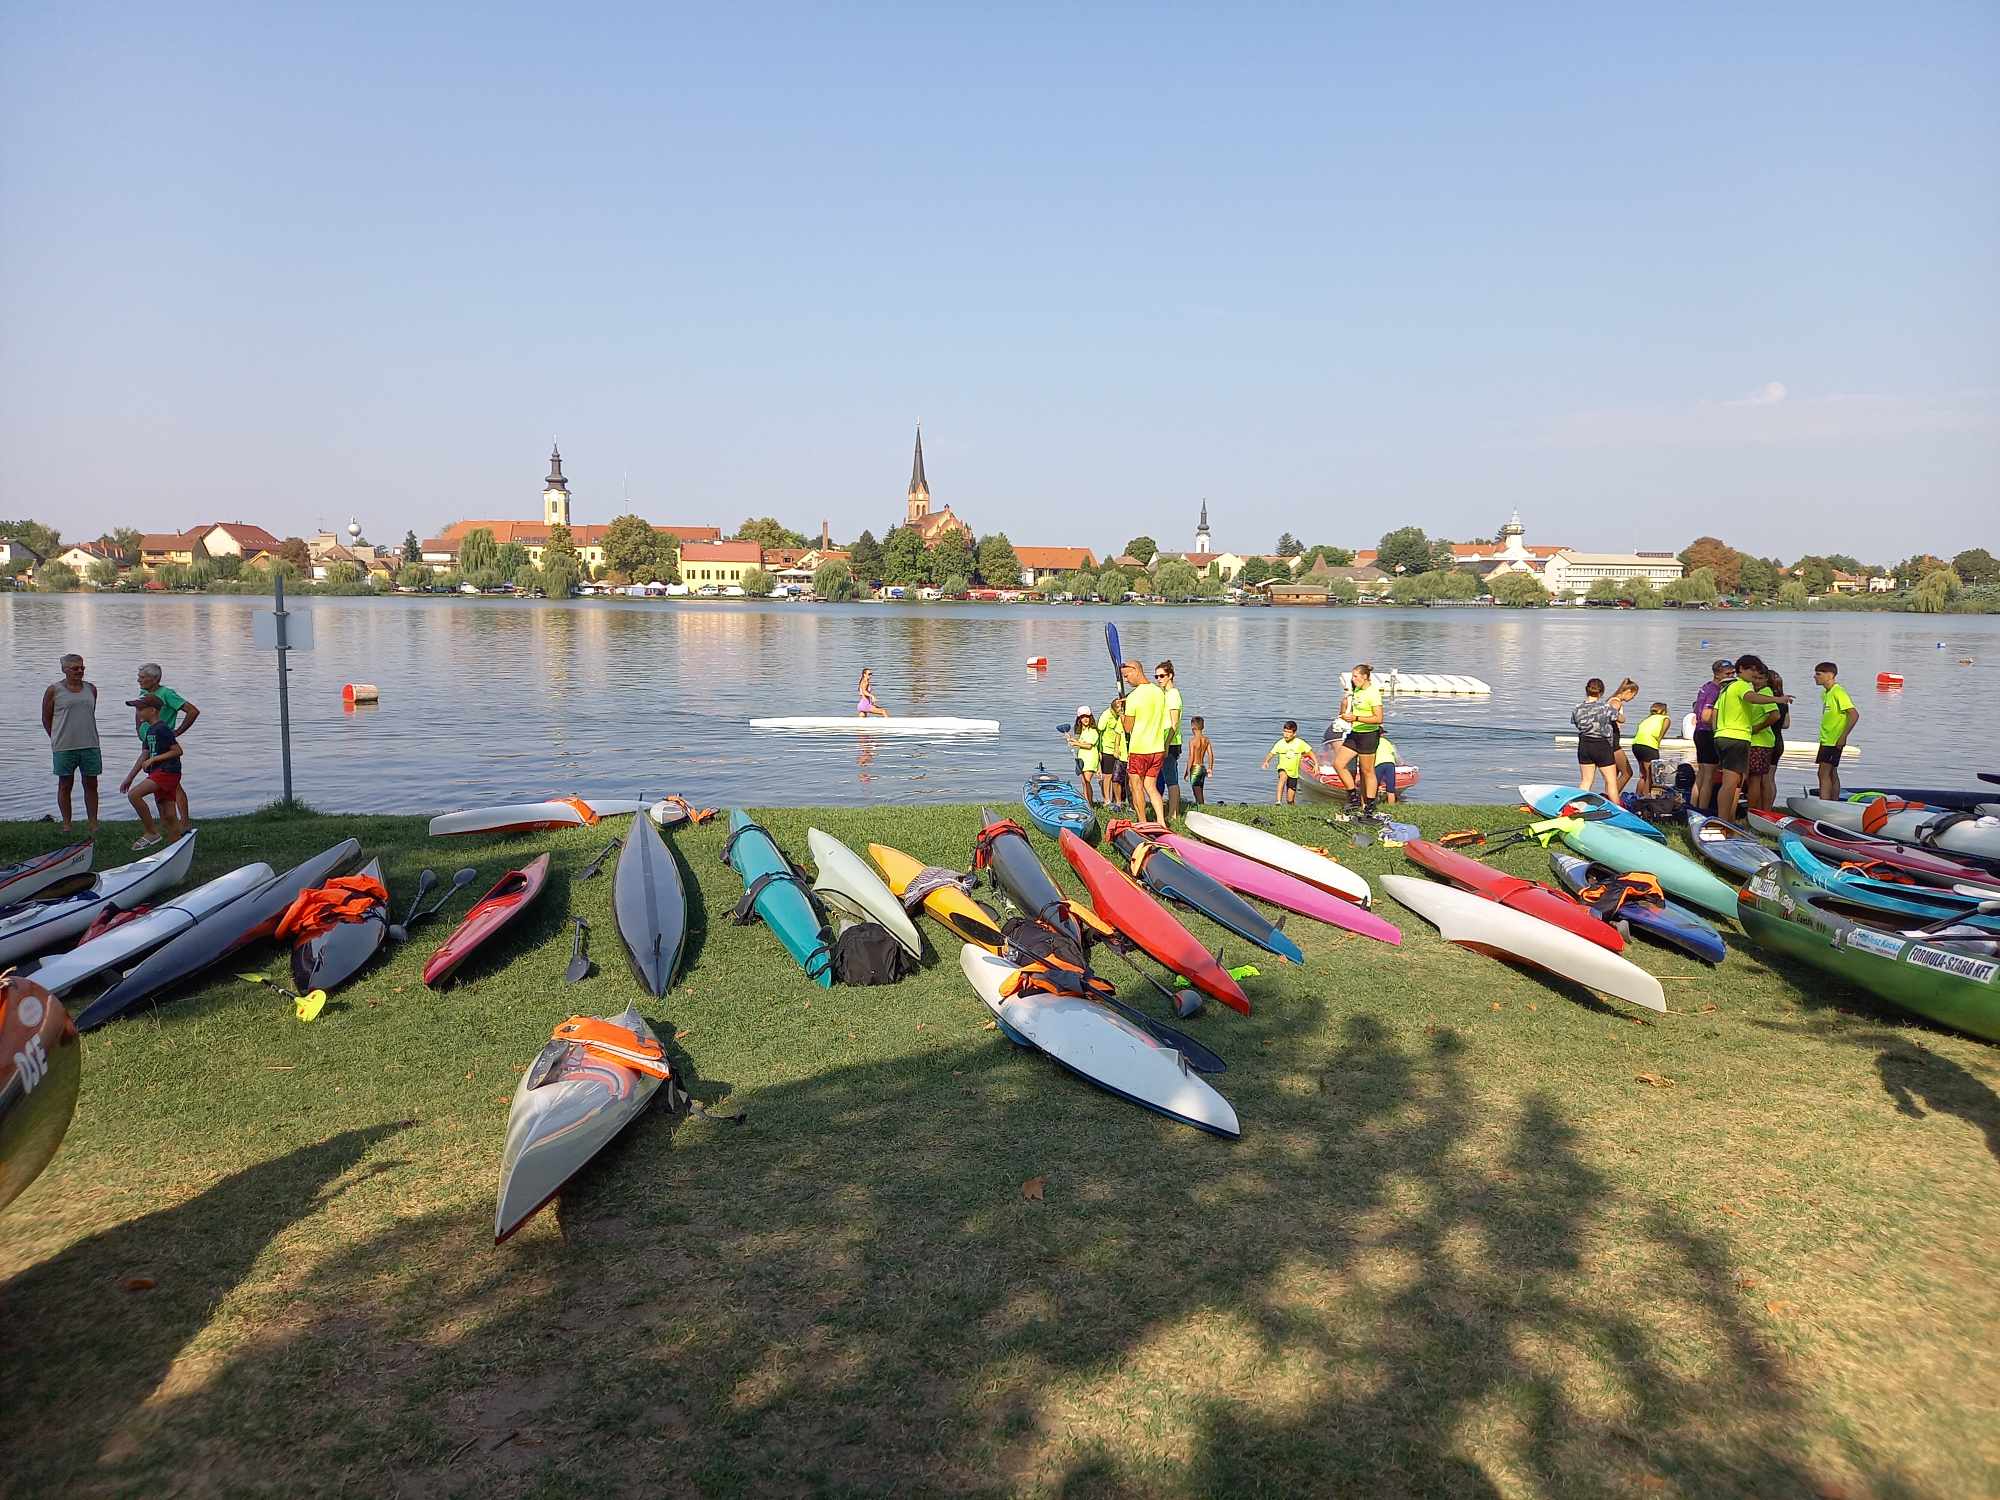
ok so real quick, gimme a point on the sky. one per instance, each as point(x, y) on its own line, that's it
point(1644, 273)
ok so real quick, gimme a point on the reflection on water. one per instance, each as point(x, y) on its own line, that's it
point(484, 701)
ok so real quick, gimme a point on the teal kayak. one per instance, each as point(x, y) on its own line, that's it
point(773, 892)
point(1625, 851)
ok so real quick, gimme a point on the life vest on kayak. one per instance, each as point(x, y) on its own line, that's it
point(607, 1041)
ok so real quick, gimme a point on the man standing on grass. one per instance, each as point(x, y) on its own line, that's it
point(69, 719)
point(1170, 773)
point(1706, 764)
point(1837, 718)
point(175, 712)
point(1145, 723)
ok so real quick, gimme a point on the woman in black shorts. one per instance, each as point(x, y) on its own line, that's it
point(1596, 719)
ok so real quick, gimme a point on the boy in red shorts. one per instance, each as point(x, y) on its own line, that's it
point(156, 773)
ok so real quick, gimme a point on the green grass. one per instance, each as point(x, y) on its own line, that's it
point(1463, 1247)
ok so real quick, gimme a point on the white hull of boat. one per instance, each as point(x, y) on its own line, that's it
point(521, 817)
point(63, 972)
point(849, 885)
point(35, 929)
point(1280, 854)
point(856, 724)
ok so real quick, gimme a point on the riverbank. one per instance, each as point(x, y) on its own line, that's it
point(1481, 1233)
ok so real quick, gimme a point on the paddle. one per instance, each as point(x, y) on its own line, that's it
point(590, 871)
point(1472, 838)
point(400, 931)
point(580, 966)
point(459, 882)
point(308, 1006)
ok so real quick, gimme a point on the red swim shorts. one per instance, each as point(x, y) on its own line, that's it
point(1147, 764)
point(165, 783)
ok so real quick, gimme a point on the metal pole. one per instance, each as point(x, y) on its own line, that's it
point(284, 694)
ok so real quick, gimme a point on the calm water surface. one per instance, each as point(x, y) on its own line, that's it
point(491, 700)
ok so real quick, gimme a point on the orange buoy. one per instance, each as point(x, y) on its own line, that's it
point(352, 693)
point(1038, 661)
point(1888, 679)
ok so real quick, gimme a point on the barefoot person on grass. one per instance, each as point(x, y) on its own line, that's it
point(156, 773)
point(69, 719)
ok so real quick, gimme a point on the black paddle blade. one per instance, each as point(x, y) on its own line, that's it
point(580, 966)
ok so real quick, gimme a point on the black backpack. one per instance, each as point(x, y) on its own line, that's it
point(866, 954)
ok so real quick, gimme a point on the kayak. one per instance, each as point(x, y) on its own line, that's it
point(1730, 848)
point(781, 899)
point(1165, 874)
point(1917, 903)
point(1250, 878)
point(511, 894)
point(1951, 801)
point(41, 1067)
point(1873, 854)
point(1529, 897)
point(251, 916)
point(1923, 826)
point(1150, 926)
point(1324, 781)
point(1955, 982)
point(962, 916)
point(1664, 921)
point(857, 724)
point(566, 1109)
point(62, 973)
point(532, 817)
point(649, 905)
point(1501, 932)
point(335, 956)
point(1020, 875)
point(849, 888)
point(1053, 805)
point(1102, 1047)
point(21, 881)
point(37, 926)
point(1564, 801)
point(1280, 854)
point(1624, 851)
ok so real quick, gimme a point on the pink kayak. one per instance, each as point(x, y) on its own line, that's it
point(1248, 877)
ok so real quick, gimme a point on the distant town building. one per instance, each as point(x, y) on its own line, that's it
point(724, 563)
point(442, 551)
point(930, 524)
point(1038, 562)
point(81, 557)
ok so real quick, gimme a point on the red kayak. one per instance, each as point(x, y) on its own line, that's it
point(1529, 897)
point(1879, 857)
point(508, 898)
point(1148, 924)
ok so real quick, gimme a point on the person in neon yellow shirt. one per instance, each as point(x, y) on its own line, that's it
point(1362, 708)
point(1145, 724)
point(1837, 718)
point(1082, 739)
point(1646, 744)
point(1111, 753)
point(1289, 752)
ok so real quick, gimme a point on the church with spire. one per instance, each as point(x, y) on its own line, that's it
point(929, 524)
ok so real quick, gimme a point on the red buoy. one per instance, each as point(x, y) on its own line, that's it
point(1888, 679)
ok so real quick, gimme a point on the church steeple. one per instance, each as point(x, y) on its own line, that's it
point(919, 498)
point(555, 491)
point(1201, 543)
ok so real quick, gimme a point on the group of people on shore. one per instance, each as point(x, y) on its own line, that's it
point(161, 717)
point(1131, 754)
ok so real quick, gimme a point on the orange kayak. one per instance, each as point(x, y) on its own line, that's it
point(1127, 907)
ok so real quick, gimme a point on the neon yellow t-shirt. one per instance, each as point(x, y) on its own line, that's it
point(1111, 735)
point(1146, 707)
point(1086, 748)
point(1732, 715)
point(1833, 706)
point(1364, 708)
point(1385, 752)
point(1173, 712)
point(1289, 753)
point(1652, 729)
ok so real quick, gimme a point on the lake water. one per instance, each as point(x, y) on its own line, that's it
point(501, 700)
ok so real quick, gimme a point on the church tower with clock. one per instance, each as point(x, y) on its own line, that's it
point(555, 492)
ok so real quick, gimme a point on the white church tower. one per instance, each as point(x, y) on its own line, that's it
point(1201, 545)
point(555, 492)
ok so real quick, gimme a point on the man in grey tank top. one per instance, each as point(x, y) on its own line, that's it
point(69, 718)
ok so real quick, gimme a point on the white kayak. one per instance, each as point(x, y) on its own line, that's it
point(1280, 854)
point(856, 724)
point(61, 973)
point(566, 1109)
point(1101, 1047)
point(39, 926)
point(1923, 827)
point(848, 884)
point(1473, 921)
point(529, 817)
point(23, 881)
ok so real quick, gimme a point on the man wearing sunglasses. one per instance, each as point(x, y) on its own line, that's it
point(1170, 772)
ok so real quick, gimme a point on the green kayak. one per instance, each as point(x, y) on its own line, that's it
point(1952, 980)
point(1625, 852)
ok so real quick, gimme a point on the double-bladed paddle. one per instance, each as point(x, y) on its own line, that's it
point(459, 881)
point(400, 931)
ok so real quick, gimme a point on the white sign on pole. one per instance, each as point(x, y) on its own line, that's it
point(298, 630)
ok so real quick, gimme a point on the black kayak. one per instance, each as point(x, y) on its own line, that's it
point(216, 936)
point(650, 904)
point(1023, 877)
point(328, 961)
point(1931, 796)
point(1166, 875)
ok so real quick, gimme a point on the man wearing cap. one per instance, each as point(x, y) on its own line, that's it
point(175, 712)
point(156, 773)
point(1721, 673)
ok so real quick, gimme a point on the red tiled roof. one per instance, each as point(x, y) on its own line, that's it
point(535, 533)
point(1061, 559)
point(166, 541)
point(245, 534)
point(721, 552)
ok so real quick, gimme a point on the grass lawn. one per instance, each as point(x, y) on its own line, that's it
point(1483, 1235)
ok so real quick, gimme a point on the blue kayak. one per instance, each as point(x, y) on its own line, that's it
point(1053, 804)
point(1729, 848)
point(773, 892)
point(1568, 801)
point(1666, 922)
point(1920, 903)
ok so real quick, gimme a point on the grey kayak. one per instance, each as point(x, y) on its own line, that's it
point(39, 925)
point(62, 973)
point(1926, 827)
point(328, 961)
point(650, 905)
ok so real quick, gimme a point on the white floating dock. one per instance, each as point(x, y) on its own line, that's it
point(1433, 684)
point(856, 724)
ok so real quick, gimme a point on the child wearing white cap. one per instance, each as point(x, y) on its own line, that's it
point(1082, 738)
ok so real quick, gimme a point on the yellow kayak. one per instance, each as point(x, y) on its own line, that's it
point(961, 915)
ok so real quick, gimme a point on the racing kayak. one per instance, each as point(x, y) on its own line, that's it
point(511, 894)
point(1248, 877)
point(335, 956)
point(1624, 851)
point(773, 890)
point(962, 916)
point(567, 1107)
point(1101, 1046)
point(849, 888)
point(1917, 903)
point(857, 724)
point(62, 973)
point(1005, 850)
point(20, 882)
point(41, 1067)
point(1560, 801)
point(1280, 854)
point(1927, 827)
point(1501, 932)
point(251, 916)
point(532, 817)
point(649, 905)
point(1165, 874)
point(1953, 980)
point(1874, 855)
point(1053, 805)
point(39, 925)
point(1949, 800)
point(1731, 849)
point(1149, 925)
point(1664, 921)
point(1529, 897)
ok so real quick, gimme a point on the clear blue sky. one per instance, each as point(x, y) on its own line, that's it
point(1644, 273)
